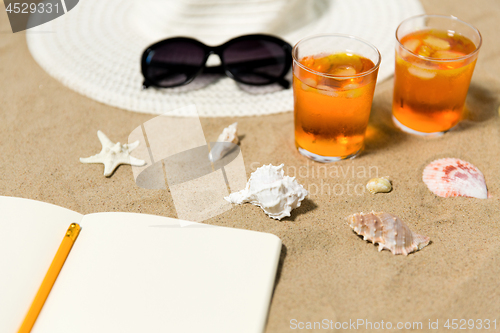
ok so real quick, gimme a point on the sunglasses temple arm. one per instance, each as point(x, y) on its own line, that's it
point(284, 83)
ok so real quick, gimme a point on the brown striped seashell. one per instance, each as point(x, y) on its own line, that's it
point(388, 231)
point(451, 177)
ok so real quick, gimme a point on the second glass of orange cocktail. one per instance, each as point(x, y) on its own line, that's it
point(435, 59)
point(334, 79)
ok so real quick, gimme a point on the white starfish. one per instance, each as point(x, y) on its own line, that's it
point(113, 154)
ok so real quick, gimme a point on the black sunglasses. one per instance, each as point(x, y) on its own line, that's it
point(252, 59)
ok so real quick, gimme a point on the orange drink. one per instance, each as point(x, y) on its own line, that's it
point(334, 80)
point(435, 59)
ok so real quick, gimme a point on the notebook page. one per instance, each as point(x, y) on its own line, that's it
point(30, 234)
point(142, 273)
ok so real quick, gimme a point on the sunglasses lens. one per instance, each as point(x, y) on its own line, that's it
point(255, 62)
point(174, 63)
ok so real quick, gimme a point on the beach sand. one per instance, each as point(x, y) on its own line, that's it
point(326, 271)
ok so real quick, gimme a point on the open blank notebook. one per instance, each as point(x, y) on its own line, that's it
point(132, 272)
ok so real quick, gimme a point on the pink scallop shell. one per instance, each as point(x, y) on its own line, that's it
point(451, 177)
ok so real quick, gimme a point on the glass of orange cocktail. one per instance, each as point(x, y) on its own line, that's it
point(435, 59)
point(334, 80)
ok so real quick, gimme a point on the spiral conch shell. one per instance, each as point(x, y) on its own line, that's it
point(388, 231)
point(272, 191)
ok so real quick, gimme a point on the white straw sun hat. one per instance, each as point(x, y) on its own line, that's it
point(95, 48)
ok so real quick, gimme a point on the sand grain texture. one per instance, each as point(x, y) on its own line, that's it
point(326, 271)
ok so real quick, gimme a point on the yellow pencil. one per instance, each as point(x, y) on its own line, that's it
point(50, 278)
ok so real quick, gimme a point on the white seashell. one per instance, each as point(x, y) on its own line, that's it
point(451, 177)
point(269, 189)
point(229, 134)
point(379, 185)
point(388, 231)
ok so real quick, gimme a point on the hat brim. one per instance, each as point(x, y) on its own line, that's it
point(95, 49)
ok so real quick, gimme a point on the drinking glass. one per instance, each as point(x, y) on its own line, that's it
point(435, 59)
point(334, 80)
